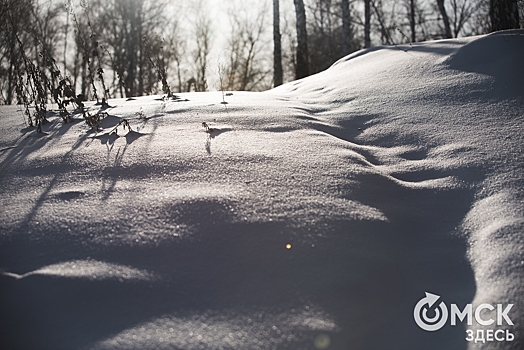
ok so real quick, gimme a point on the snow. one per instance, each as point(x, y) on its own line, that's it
point(396, 172)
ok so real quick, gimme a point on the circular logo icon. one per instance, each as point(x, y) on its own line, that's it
point(422, 319)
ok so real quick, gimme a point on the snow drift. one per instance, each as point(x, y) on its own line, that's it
point(314, 215)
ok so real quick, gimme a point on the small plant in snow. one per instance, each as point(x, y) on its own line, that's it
point(140, 115)
point(221, 78)
point(93, 120)
point(124, 123)
point(208, 129)
point(405, 37)
point(30, 80)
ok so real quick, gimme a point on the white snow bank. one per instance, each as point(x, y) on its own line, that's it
point(346, 195)
point(92, 270)
point(224, 329)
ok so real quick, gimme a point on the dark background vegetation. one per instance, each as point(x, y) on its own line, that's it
point(68, 51)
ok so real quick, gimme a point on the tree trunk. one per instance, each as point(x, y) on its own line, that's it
point(10, 82)
point(277, 53)
point(385, 31)
point(66, 33)
point(140, 55)
point(504, 14)
point(84, 85)
point(445, 18)
point(367, 23)
point(412, 20)
point(302, 50)
point(346, 26)
point(11, 77)
point(132, 48)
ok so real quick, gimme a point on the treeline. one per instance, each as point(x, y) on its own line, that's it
point(328, 30)
point(59, 52)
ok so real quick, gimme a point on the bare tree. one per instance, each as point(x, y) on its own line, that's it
point(87, 30)
point(30, 80)
point(330, 34)
point(175, 51)
point(462, 17)
point(140, 46)
point(289, 42)
point(129, 27)
point(245, 69)
point(302, 69)
point(202, 31)
point(45, 31)
point(66, 37)
point(277, 42)
point(385, 26)
point(504, 14)
point(203, 42)
point(346, 26)
point(462, 11)
point(445, 18)
point(367, 23)
point(11, 55)
point(521, 12)
point(412, 22)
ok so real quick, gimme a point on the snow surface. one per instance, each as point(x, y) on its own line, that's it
point(397, 171)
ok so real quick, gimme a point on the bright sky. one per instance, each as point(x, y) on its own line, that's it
point(218, 13)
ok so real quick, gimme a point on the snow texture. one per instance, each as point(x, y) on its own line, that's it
point(311, 216)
